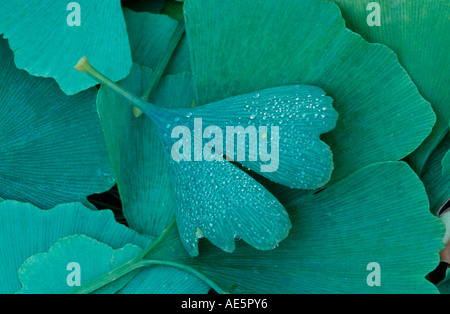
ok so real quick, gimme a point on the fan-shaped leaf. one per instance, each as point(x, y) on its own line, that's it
point(51, 272)
point(27, 230)
point(145, 187)
point(52, 149)
point(382, 115)
point(46, 45)
point(376, 215)
point(196, 193)
point(418, 32)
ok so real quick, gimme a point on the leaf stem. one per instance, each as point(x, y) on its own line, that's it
point(84, 66)
point(134, 265)
point(156, 242)
point(163, 63)
point(139, 262)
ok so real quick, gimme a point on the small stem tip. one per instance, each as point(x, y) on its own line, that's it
point(137, 112)
point(83, 65)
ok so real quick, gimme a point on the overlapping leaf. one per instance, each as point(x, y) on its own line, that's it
point(337, 234)
point(45, 45)
point(199, 213)
point(382, 115)
point(378, 214)
point(48, 272)
point(27, 230)
point(145, 187)
point(149, 36)
point(446, 164)
point(217, 200)
point(418, 32)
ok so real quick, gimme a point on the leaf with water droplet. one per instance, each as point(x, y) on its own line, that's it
point(377, 214)
point(136, 152)
point(382, 116)
point(284, 124)
point(198, 201)
point(221, 200)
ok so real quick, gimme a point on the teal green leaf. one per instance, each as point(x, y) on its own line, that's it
point(47, 273)
point(149, 36)
point(145, 188)
point(216, 200)
point(35, 231)
point(164, 280)
point(215, 210)
point(300, 113)
point(220, 202)
point(52, 147)
point(435, 180)
point(382, 116)
point(27, 230)
point(378, 214)
point(45, 45)
point(418, 32)
point(446, 164)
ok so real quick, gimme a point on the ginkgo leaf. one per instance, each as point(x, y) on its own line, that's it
point(52, 149)
point(220, 202)
point(27, 230)
point(217, 217)
point(382, 116)
point(145, 188)
point(435, 180)
point(73, 262)
point(46, 43)
point(214, 198)
point(376, 215)
point(418, 32)
point(288, 120)
point(164, 280)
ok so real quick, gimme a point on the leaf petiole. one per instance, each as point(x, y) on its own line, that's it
point(163, 63)
point(140, 262)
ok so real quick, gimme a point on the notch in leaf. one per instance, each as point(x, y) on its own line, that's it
point(219, 201)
